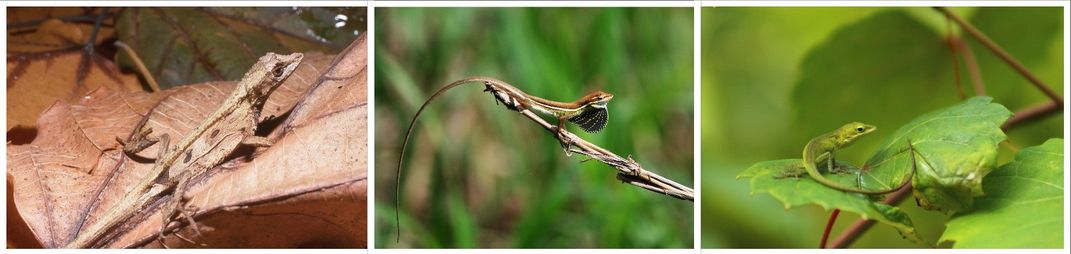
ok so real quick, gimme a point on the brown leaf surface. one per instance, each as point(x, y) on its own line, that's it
point(46, 62)
point(307, 190)
point(36, 29)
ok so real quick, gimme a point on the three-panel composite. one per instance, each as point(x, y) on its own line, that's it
point(512, 125)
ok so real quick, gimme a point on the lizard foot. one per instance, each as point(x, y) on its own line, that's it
point(184, 213)
point(841, 168)
point(565, 142)
point(787, 175)
point(794, 171)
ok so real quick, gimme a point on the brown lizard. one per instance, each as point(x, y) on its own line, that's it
point(588, 112)
point(202, 148)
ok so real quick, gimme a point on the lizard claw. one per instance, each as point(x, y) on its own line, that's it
point(565, 142)
point(185, 213)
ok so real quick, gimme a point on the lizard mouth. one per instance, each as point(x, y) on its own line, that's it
point(600, 104)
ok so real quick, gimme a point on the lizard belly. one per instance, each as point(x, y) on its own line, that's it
point(543, 110)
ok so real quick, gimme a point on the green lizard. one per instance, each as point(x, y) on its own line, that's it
point(823, 149)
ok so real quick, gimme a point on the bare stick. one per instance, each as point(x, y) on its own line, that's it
point(627, 169)
point(982, 38)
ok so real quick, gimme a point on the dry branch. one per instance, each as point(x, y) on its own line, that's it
point(628, 170)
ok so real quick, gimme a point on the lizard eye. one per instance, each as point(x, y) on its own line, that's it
point(859, 129)
point(277, 72)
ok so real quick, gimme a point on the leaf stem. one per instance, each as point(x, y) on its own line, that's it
point(859, 227)
point(972, 67)
point(1010, 60)
point(1031, 113)
point(829, 227)
point(953, 48)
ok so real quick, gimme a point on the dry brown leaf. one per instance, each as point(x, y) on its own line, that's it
point(37, 29)
point(309, 189)
point(48, 63)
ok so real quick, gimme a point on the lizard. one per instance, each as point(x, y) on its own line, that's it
point(823, 150)
point(200, 149)
point(589, 113)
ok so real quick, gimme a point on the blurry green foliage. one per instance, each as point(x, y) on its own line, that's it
point(775, 77)
point(478, 175)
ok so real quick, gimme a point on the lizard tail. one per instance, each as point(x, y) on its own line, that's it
point(813, 171)
point(405, 143)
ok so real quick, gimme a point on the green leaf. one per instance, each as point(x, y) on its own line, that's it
point(883, 70)
point(792, 193)
point(956, 148)
point(1024, 32)
point(1024, 207)
point(192, 45)
point(1034, 36)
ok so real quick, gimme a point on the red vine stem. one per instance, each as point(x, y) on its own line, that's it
point(1031, 113)
point(856, 229)
point(984, 40)
point(829, 227)
point(953, 48)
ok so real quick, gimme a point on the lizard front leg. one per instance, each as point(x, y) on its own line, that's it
point(139, 139)
point(835, 169)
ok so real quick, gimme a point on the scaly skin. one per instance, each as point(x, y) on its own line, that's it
point(824, 149)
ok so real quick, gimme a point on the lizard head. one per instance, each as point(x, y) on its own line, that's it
point(597, 99)
point(271, 69)
point(851, 131)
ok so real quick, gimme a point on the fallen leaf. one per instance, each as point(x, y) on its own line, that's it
point(49, 63)
point(307, 190)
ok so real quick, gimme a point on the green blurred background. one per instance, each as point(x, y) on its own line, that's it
point(478, 175)
point(772, 78)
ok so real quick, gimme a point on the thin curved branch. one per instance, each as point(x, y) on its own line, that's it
point(982, 38)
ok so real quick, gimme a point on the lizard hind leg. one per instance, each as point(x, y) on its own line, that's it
point(176, 207)
point(842, 168)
